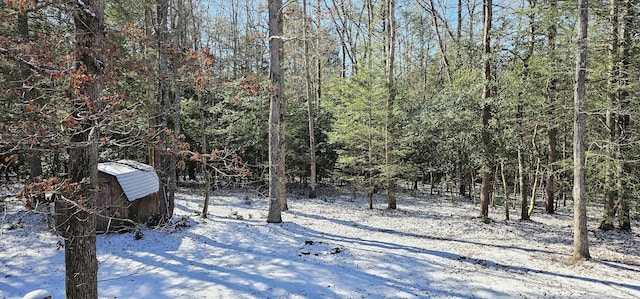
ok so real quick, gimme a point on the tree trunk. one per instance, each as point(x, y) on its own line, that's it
point(610, 186)
point(486, 112)
point(459, 30)
point(391, 96)
point(205, 169)
point(318, 60)
point(550, 188)
point(162, 160)
point(78, 223)
point(34, 157)
point(580, 233)
point(441, 45)
point(276, 112)
point(505, 186)
point(624, 217)
point(524, 192)
point(534, 189)
point(310, 104)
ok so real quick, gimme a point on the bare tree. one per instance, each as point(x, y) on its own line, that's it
point(162, 159)
point(391, 97)
point(310, 104)
point(610, 190)
point(624, 120)
point(486, 111)
point(552, 133)
point(276, 113)
point(580, 233)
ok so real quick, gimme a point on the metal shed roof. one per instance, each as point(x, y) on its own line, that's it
point(136, 179)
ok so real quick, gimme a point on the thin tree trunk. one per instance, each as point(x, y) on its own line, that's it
point(532, 202)
point(516, 180)
point(550, 188)
point(310, 104)
point(317, 57)
point(276, 111)
point(441, 45)
point(524, 213)
point(624, 217)
point(580, 233)
point(205, 169)
point(161, 158)
point(486, 112)
point(505, 186)
point(370, 160)
point(179, 31)
point(391, 96)
point(611, 190)
point(459, 30)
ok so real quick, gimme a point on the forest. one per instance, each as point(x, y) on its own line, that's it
point(509, 103)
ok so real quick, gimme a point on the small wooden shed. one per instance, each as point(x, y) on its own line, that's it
point(128, 190)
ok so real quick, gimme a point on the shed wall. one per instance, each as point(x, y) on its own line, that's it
point(112, 204)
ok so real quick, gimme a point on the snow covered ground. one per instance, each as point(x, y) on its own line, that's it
point(331, 247)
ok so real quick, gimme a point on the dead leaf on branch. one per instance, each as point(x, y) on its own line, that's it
point(12, 158)
point(57, 76)
point(196, 156)
point(30, 107)
point(69, 122)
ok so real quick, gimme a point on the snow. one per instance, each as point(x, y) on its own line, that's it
point(136, 179)
point(331, 247)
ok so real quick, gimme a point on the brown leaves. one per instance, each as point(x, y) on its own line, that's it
point(214, 152)
point(200, 82)
point(249, 85)
point(30, 107)
point(21, 5)
point(9, 159)
point(57, 76)
point(196, 157)
point(69, 122)
point(40, 187)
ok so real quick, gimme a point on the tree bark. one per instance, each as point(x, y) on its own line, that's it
point(78, 222)
point(550, 188)
point(624, 119)
point(276, 112)
point(205, 149)
point(610, 186)
point(486, 112)
point(524, 190)
point(441, 45)
point(162, 159)
point(391, 96)
point(310, 106)
point(505, 186)
point(580, 233)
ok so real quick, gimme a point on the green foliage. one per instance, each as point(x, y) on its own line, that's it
point(298, 161)
point(358, 131)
